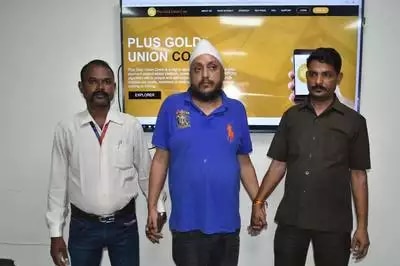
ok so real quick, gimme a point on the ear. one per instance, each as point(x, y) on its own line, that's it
point(340, 77)
point(80, 87)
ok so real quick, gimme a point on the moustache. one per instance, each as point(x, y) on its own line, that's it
point(203, 82)
point(318, 87)
point(100, 93)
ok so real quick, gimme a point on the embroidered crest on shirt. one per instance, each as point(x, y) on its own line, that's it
point(230, 134)
point(182, 119)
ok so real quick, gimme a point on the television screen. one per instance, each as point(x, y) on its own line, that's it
point(260, 42)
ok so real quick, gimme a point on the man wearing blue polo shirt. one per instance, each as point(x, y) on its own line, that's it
point(202, 139)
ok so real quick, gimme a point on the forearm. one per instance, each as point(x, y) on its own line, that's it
point(273, 176)
point(57, 196)
point(359, 186)
point(55, 218)
point(56, 206)
point(248, 175)
point(156, 183)
point(158, 174)
point(249, 181)
point(142, 161)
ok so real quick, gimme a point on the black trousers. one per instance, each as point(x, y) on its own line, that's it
point(195, 248)
point(291, 246)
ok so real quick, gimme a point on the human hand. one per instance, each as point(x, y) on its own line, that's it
point(58, 251)
point(154, 226)
point(291, 86)
point(258, 220)
point(161, 220)
point(360, 244)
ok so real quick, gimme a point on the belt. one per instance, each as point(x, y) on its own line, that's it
point(127, 210)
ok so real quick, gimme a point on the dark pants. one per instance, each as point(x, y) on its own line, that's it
point(87, 238)
point(197, 249)
point(291, 246)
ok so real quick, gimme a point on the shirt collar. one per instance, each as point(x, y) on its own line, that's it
point(336, 105)
point(112, 115)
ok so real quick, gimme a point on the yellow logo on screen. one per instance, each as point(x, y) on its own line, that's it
point(301, 73)
point(151, 11)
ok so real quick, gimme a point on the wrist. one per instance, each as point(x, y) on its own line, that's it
point(258, 202)
point(362, 227)
point(152, 206)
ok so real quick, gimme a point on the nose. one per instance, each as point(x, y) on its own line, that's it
point(205, 73)
point(319, 80)
point(100, 85)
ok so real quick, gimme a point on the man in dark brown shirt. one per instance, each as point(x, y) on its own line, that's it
point(323, 147)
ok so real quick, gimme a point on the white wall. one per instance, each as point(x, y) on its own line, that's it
point(43, 45)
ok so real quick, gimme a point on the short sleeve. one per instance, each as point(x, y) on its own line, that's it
point(278, 149)
point(359, 148)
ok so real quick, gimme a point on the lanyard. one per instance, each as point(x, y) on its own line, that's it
point(103, 131)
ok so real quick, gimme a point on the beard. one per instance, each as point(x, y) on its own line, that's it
point(209, 96)
point(100, 98)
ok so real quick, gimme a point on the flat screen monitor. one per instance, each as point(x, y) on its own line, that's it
point(260, 42)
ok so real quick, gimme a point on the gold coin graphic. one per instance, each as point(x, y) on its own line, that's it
point(301, 73)
point(151, 11)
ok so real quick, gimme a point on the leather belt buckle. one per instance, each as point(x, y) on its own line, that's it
point(106, 219)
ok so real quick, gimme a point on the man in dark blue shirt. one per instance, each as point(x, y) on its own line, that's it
point(202, 139)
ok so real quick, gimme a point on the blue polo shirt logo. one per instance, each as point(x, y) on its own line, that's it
point(182, 119)
point(230, 133)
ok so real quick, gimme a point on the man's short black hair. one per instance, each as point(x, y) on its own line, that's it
point(95, 62)
point(328, 56)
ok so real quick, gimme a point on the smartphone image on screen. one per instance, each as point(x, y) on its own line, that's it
point(300, 69)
